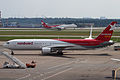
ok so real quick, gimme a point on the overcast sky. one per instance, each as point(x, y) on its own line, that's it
point(60, 8)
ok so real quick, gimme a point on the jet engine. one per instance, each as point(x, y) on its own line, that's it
point(62, 28)
point(46, 50)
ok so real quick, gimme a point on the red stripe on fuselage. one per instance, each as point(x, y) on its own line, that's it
point(83, 42)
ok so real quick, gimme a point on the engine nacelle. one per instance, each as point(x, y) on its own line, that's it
point(62, 28)
point(46, 50)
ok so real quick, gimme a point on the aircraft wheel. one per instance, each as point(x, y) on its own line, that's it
point(12, 53)
point(60, 52)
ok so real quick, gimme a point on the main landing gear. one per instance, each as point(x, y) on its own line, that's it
point(60, 52)
point(12, 53)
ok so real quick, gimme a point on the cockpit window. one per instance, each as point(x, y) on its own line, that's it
point(7, 43)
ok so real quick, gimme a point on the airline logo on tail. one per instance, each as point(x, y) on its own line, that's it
point(112, 27)
point(107, 33)
point(42, 22)
point(44, 25)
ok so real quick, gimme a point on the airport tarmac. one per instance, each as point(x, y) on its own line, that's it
point(73, 65)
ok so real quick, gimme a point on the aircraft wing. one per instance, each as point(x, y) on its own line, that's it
point(59, 46)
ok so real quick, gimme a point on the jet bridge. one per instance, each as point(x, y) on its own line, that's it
point(14, 60)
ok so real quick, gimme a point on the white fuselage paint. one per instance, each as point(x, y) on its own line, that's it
point(67, 26)
point(37, 44)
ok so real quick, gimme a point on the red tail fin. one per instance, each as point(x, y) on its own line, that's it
point(43, 23)
point(107, 33)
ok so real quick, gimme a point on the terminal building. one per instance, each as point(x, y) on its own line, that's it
point(0, 20)
point(85, 25)
point(10, 24)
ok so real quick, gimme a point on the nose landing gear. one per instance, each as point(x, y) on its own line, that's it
point(12, 53)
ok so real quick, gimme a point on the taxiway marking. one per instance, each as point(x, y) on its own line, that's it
point(61, 65)
point(42, 74)
point(24, 77)
point(56, 74)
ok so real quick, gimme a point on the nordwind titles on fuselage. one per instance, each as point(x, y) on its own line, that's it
point(25, 43)
point(57, 45)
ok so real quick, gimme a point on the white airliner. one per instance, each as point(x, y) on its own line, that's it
point(58, 45)
point(59, 27)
